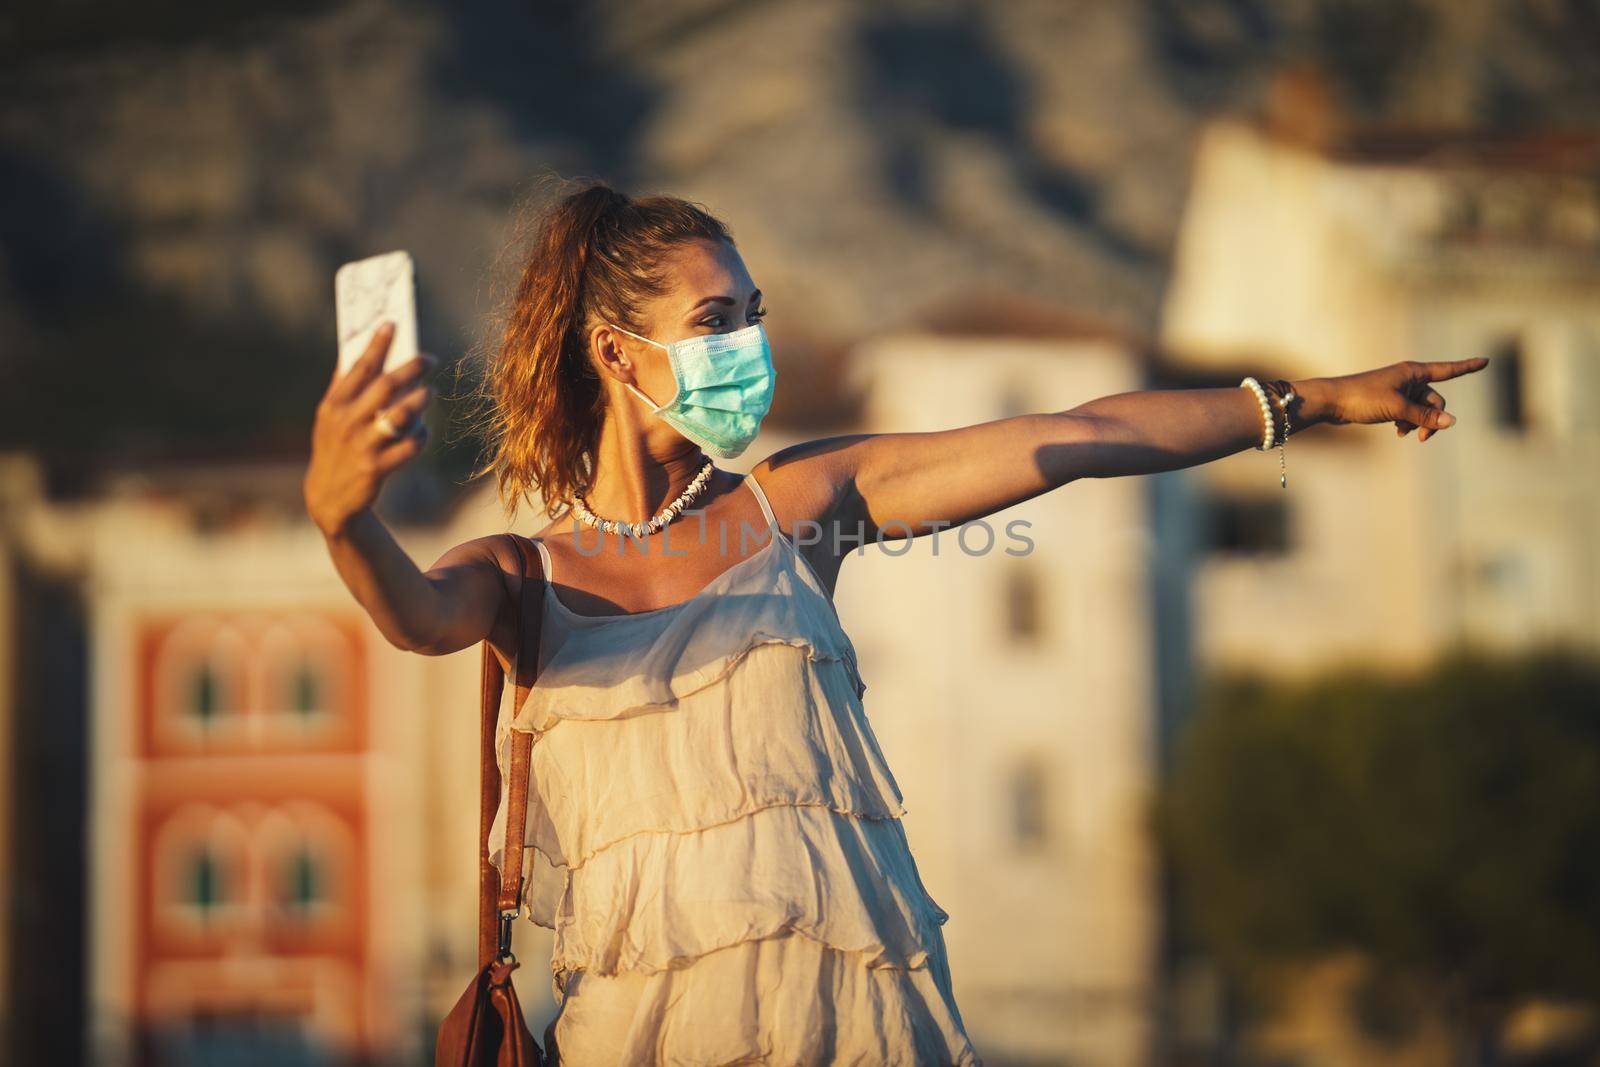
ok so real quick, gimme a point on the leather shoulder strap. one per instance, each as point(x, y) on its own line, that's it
point(500, 891)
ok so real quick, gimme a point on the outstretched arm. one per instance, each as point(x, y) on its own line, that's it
point(925, 482)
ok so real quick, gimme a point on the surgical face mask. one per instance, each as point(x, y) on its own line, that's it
point(725, 383)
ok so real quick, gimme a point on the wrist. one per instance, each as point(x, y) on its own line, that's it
point(340, 528)
point(1315, 403)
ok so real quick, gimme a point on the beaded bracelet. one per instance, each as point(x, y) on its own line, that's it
point(1282, 395)
point(1266, 413)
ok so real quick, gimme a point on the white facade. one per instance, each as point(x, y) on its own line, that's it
point(1294, 262)
point(1011, 689)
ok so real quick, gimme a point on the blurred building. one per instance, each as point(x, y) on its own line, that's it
point(253, 858)
point(1330, 254)
point(1313, 247)
point(277, 863)
point(1009, 666)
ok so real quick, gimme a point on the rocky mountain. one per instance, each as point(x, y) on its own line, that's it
point(182, 179)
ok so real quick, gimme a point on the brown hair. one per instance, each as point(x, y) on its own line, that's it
point(596, 256)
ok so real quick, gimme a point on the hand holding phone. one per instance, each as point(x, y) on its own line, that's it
point(369, 422)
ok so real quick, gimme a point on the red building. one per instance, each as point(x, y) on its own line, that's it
point(248, 810)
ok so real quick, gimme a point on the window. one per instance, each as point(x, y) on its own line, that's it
point(1248, 525)
point(302, 884)
point(1023, 602)
point(1506, 379)
point(205, 696)
point(204, 888)
point(199, 862)
point(1029, 796)
point(306, 693)
point(199, 695)
point(1505, 573)
point(209, 699)
point(299, 678)
point(305, 852)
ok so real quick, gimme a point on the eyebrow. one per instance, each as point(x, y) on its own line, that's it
point(730, 301)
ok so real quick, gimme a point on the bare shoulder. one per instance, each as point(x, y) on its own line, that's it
point(491, 551)
point(808, 479)
point(812, 482)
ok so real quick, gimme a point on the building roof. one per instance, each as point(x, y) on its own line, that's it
point(1302, 109)
point(1544, 151)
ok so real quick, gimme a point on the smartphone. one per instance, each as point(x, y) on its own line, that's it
point(366, 292)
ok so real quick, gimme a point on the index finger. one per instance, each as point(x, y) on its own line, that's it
point(1453, 368)
point(366, 365)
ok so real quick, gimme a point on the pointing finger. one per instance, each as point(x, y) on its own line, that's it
point(1453, 368)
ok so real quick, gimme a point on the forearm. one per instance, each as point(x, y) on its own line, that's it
point(1156, 430)
point(404, 604)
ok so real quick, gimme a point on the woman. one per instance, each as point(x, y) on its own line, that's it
point(715, 835)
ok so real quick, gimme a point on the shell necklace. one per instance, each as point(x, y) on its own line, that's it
point(643, 529)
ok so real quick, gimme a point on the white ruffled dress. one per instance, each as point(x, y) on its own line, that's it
point(713, 834)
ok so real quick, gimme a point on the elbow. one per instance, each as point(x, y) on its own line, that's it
point(403, 643)
point(1101, 446)
point(434, 645)
point(421, 647)
point(420, 644)
point(1075, 453)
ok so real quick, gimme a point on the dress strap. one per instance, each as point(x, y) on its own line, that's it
point(544, 557)
point(516, 652)
point(761, 498)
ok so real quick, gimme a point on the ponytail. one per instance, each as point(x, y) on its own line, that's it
point(596, 256)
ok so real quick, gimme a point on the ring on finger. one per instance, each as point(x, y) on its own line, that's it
point(386, 425)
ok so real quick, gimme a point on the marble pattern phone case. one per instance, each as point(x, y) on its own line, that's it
point(368, 291)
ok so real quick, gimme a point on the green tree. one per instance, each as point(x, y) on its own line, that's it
point(1444, 824)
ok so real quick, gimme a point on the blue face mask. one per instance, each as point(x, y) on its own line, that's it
point(725, 383)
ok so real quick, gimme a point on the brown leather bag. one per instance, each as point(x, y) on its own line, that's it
point(486, 1028)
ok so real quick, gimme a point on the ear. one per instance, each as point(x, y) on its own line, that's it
point(605, 347)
